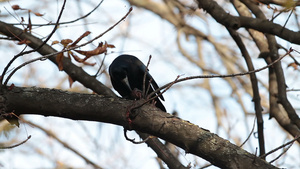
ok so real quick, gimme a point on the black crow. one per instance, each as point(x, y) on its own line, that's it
point(127, 75)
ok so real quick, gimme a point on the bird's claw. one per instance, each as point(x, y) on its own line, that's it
point(136, 94)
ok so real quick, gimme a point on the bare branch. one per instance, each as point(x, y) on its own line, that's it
point(52, 135)
point(221, 76)
point(262, 25)
point(282, 146)
point(64, 23)
point(16, 145)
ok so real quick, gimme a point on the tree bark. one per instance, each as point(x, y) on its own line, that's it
point(147, 119)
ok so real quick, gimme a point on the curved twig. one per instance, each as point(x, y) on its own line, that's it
point(16, 145)
point(133, 140)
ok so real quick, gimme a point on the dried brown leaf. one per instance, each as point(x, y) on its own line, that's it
point(81, 37)
point(99, 50)
point(110, 46)
point(59, 59)
point(55, 42)
point(38, 14)
point(78, 59)
point(16, 7)
point(89, 64)
point(25, 41)
point(294, 65)
point(66, 42)
point(71, 81)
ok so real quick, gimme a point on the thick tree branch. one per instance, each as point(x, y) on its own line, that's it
point(262, 25)
point(256, 97)
point(148, 119)
point(279, 2)
point(282, 97)
point(77, 73)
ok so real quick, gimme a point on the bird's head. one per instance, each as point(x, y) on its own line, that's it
point(120, 74)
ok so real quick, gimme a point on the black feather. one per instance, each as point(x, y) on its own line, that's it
point(131, 68)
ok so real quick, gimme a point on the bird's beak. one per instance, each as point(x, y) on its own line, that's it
point(126, 82)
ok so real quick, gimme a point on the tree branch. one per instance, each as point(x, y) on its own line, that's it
point(147, 119)
point(51, 134)
point(262, 25)
point(256, 97)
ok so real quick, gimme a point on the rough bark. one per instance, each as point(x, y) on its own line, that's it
point(147, 119)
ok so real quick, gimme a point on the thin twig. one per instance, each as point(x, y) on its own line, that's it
point(63, 23)
point(272, 151)
point(253, 127)
point(65, 144)
point(222, 76)
point(132, 140)
point(16, 145)
point(148, 88)
point(284, 151)
point(9, 64)
point(72, 48)
point(101, 65)
point(144, 78)
point(52, 32)
point(156, 96)
point(287, 20)
point(110, 28)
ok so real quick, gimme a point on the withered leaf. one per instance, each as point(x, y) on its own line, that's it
point(79, 39)
point(71, 81)
point(66, 42)
point(16, 7)
point(294, 65)
point(99, 50)
point(38, 14)
point(55, 42)
point(59, 59)
point(25, 41)
point(78, 59)
point(110, 46)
